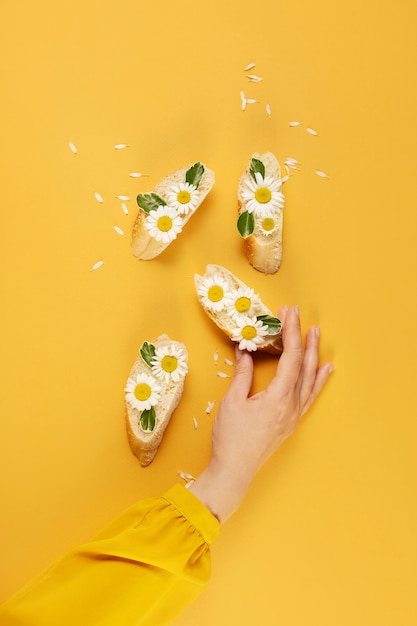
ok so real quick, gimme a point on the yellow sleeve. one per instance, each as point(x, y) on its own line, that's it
point(142, 570)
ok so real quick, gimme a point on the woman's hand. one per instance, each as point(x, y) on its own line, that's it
point(249, 429)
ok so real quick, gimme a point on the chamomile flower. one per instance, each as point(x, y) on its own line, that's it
point(263, 195)
point(169, 363)
point(242, 301)
point(213, 290)
point(249, 332)
point(184, 198)
point(163, 224)
point(267, 225)
point(142, 393)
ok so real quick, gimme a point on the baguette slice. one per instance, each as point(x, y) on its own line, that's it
point(145, 443)
point(263, 249)
point(270, 343)
point(146, 247)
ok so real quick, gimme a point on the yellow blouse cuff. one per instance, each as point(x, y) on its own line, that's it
point(194, 511)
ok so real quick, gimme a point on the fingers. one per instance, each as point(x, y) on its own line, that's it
point(241, 382)
point(310, 363)
point(290, 363)
point(322, 375)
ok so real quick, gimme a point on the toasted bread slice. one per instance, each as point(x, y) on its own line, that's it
point(144, 440)
point(227, 317)
point(145, 246)
point(262, 239)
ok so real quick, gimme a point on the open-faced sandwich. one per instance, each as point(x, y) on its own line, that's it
point(260, 204)
point(238, 311)
point(164, 211)
point(152, 393)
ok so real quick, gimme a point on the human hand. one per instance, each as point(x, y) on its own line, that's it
point(249, 429)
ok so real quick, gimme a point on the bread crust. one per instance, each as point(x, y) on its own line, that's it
point(145, 444)
point(271, 343)
point(264, 252)
point(146, 247)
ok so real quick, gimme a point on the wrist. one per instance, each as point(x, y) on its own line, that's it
point(221, 489)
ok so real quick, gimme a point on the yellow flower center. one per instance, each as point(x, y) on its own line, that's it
point(142, 391)
point(165, 223)
point(268, 223)
point(248, 332)
point(263, 195)
point(242, 304)
point(183, 197)
point(215, 293)
point(169, 363)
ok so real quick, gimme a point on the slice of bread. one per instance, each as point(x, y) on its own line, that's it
point(146, 247)
point(145, 443)
point(263, 248)
point(224, 318)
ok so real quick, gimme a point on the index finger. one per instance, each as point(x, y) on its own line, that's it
point(291, 360)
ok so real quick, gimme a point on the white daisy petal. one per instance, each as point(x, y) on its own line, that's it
point(213, 290)
point(267, 225)
point(184, 198)
point(242, 302)
point(249, 332)
point(142, 392)
point(262, 195)
point(169, 363)
point(163, 223)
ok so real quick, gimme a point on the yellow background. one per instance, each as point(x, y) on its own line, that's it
point(327, 533)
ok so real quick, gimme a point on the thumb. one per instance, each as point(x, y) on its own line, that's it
point(241, 382)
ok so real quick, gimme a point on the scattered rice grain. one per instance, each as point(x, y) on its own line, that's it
point(125, 209)
point(268, 109)
point(295, 123)
point(195, 423)
point(98, 197)
point(210, 407)
point(216, 356)
point(228, 362)
point(120, 146)
point(254, 79)
point(126, 198)
point(118, 230)
point(135, 174)
point(322, 174)
point(249, 67)
point(250, 101)
point(312, 131)
point(72, 147)
point(222, 375)
point(97, 265)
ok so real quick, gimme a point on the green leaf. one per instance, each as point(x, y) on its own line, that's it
point(194, 175)
point(148, 419)
point(274, 324)
point(149, 201)
point(147, 352)
point(246, 224)
point(256, 166)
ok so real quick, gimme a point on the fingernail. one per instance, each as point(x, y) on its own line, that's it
point(317, 331)
point(297, 311)
point(330, 368)
point(238, 353)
